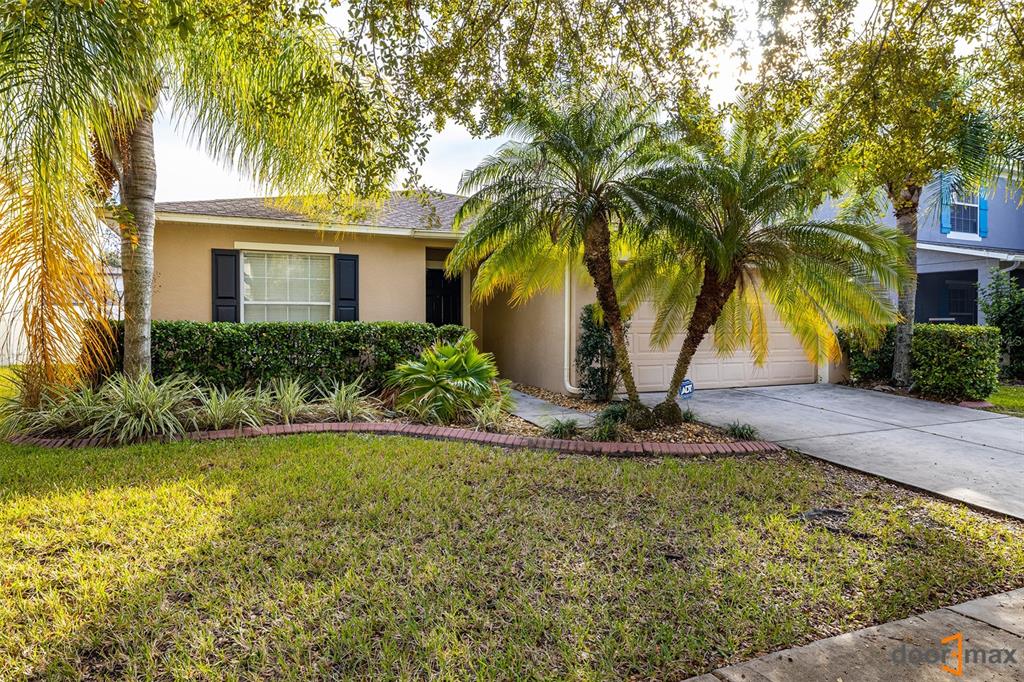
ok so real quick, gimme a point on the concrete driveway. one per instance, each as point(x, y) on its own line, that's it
point(955, 452)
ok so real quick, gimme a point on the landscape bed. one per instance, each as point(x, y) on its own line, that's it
point(328, 556)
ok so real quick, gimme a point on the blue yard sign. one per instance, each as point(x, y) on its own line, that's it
point(686, 389)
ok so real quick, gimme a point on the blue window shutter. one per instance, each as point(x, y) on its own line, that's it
point(947, 210)
point(982, 214)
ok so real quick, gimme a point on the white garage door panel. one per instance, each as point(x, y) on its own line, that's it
point(786, 364)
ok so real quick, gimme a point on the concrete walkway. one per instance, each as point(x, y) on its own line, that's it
point(540, 412)
point(958, 453)
point(899, 650)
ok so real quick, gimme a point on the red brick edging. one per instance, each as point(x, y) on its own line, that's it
point(445, 433)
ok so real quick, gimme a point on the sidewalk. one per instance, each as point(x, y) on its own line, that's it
point(540, 412)
point(992, 631)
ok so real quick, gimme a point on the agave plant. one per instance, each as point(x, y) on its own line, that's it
point(446, 382)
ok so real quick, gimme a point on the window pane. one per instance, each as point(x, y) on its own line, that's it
point(298, 290)
point(277, 289)
point(255, 312)
point(277, 265)
point(320, 313)
point(320, 267)
point(277, 313)
point(255, 264)
point(320, 290)
point(298, 267)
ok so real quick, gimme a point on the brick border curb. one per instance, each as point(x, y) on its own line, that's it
point(578, 447)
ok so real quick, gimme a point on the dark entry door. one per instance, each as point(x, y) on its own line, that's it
point(444, 298)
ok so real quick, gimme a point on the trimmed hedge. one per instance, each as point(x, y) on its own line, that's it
point(956, 362)
point(233, 355)
point(867, 363)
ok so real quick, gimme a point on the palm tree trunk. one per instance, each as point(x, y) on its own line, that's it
point(138, 195)
point(598, 260)
point(905, 203)
point(706, 310)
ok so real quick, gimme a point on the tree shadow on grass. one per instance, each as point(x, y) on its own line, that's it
point(316, 557)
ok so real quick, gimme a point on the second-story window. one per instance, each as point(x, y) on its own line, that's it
point(964, 214)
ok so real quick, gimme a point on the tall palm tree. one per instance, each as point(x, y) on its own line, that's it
point(740, 235)
point(263, 87)
point(575, 180)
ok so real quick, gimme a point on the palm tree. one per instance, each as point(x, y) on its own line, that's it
point(262, 86)
point(740, 235)
point(575, 180)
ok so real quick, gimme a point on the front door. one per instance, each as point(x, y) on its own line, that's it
point(444, 298)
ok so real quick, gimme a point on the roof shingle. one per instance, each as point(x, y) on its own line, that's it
point(400, 211)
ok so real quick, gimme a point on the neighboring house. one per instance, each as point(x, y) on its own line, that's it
point(959, 242)
point(13, 347)
point(958, 247)
point(243, 260)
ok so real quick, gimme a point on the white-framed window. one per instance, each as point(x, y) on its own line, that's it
point(286, 287)
point(964, 214)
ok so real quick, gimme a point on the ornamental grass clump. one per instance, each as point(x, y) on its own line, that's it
point(220, 408)
point(347, 402)
point(134, 409)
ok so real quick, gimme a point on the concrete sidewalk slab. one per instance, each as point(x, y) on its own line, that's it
point(982, 476)
point(1006, 433)
point(540, 412)
point(894, 410)
point(959, 453)
point(884, 653)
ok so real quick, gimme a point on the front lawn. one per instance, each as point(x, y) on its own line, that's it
point(1009, 400)
point(325, 556)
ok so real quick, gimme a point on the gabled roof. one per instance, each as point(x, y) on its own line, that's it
point(400, 211)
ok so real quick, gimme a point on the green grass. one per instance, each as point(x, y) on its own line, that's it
point(1009, 400)
point(312, 557)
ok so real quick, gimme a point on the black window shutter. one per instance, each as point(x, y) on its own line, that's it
point(226, 284)
point(346, 288)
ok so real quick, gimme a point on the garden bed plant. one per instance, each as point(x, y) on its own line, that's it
point(450, 384)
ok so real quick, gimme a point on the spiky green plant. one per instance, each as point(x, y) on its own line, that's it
point(741, 431)
point(446, 382)
point(135, 409)
point(562, 428)
point(739, 235)
point(290, 400)
point(222, 409)
point(348, 402)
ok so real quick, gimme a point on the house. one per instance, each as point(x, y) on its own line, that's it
point(959, 245)
point(243, 260)
point(960, 240)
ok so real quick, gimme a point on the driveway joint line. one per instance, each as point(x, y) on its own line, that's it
point(978, 620)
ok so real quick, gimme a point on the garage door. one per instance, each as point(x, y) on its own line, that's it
point(786, 363)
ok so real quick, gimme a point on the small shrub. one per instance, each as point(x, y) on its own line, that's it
point(741, 431)
point(1002, 301)
point(139, 408)
point(869, 360)
point(445, 383)
point(66, 409)
point(596, 368)
point(488, 417)
point(562, 428)
point(640, 417)
point(955, 362)
point(668, 413)
point(223, 409)
point(689, 416)
point(348, 402)
point(614, 413)
point(289, 401)
point(606, 431)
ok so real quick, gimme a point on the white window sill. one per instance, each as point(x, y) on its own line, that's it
point(964, 236)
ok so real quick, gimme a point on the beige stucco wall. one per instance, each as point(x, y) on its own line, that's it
point(392, 280)
point(527, 340)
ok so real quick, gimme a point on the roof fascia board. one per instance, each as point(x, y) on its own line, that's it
point(980, 253)
point(305, 225)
